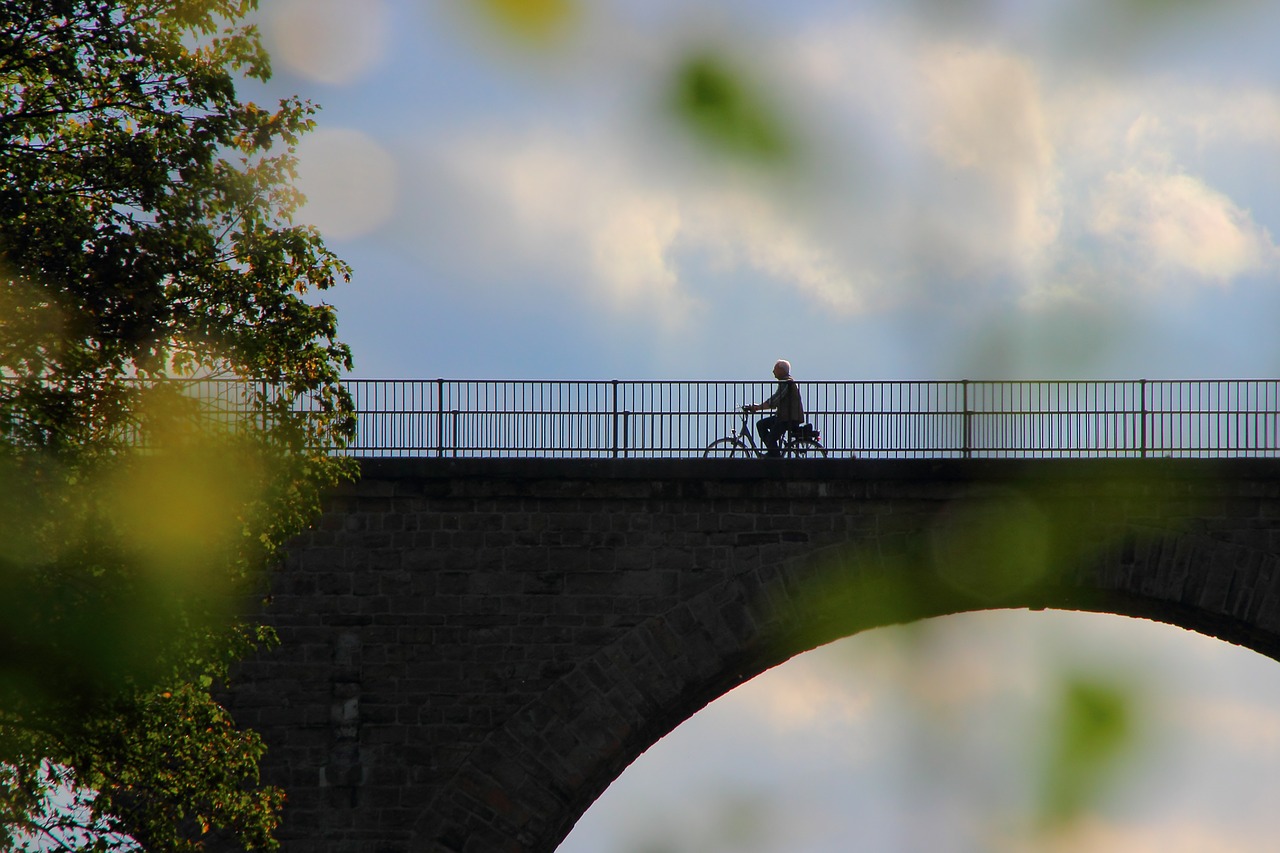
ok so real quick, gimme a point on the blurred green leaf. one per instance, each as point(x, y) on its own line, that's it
point(1095, 731)
point(993, 546)
point(1157, 8)
point(725, 111)
point(147, 237)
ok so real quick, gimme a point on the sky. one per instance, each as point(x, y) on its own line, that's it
point(987, 189)
point(1025, 190)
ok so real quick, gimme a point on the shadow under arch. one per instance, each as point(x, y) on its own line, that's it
point(564, 748)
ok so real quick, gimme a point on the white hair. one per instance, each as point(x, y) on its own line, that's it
point(784, 364)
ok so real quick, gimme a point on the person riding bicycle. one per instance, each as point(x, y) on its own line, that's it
point(790, 408)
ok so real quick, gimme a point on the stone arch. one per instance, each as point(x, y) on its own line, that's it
point(526, 785)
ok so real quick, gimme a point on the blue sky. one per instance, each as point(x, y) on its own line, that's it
point(987, 189)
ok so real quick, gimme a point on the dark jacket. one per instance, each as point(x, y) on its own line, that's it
point(787, 401)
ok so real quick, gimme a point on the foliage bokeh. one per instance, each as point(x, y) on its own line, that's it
point(169, 401)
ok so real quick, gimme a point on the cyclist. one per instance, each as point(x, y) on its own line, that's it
point(790, 408)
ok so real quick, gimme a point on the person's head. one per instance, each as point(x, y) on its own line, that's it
point(782, 368)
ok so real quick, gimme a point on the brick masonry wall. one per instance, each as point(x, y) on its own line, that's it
point(472, 650)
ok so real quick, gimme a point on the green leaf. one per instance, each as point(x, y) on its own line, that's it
point(1095, 731)
point(725, 111)
point(147, 237)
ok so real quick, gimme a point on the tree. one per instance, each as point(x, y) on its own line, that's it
point(169, 397)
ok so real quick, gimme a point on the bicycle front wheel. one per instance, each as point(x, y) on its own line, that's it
point(725, 448)
point(806, 448)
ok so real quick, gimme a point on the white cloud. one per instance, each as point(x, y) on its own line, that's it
point(753, 231)
point(1163, 175)
point(1248, 727)
point(1177, 222)
point(567, 206)
point(1213, 115)
point(329, 41)
point(1060, 184)
point(985, 115)
point(804, 694)
point(956, 149)
point(631, 245)
point(980, 178)
point(1168, 836)
point(580, 204)
point(349, 180)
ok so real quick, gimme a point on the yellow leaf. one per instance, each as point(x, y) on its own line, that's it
point(532, 20)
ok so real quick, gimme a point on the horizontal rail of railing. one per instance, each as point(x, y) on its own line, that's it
point(863, 419)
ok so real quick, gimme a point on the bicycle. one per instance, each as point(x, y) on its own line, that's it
point(801, 442)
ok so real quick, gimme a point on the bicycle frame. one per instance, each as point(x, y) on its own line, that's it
point(742, 439)
point(744, 431)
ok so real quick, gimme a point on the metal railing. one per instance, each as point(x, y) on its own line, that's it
point(227, 405)
point(868, 419)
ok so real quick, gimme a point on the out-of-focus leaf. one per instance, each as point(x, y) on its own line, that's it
point(726, 111)
point(533, 21)
point(1153, 9)
point(1094, 732)
point(147, 237)
point(993, 546)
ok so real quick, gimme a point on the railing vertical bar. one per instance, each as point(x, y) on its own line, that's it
point(1142, 417)
point(439, 417)
point(614, 408)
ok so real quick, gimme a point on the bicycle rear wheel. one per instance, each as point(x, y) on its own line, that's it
point(725, 448)
point(806, 448)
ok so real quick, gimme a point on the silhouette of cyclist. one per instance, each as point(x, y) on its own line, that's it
point(788, 405)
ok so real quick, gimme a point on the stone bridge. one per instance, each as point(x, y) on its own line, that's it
point(473, 650)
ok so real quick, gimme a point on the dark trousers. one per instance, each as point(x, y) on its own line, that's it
point(772, 429)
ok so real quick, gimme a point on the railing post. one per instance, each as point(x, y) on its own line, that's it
point(1142, 416)
point(967, 440)
point(439, 417)
point(614, 406)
